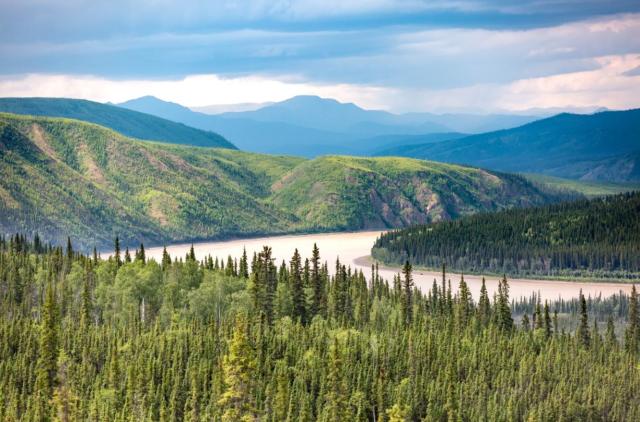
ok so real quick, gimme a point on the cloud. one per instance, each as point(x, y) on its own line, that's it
point(74, 20)
point(406, 54)
point(195, 90)
point(608, 85)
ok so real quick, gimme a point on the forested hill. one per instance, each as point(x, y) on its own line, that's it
point(599, 237)
point(603, 146)
point(187, 339)
point(128, 122)
point(69, 177)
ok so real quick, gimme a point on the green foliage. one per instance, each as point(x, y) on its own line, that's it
point(595, 238)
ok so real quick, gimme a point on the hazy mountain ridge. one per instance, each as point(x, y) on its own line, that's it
point(310, 126)
point(602, 146)
point(98, 183)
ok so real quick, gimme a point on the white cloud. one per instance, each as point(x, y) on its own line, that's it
point(195, 90)
point(612, 85)
point(609, 85)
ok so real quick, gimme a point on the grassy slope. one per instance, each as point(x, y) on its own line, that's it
point(588, 188)
point(71, 177)
point(128, 122)
point(348, 192)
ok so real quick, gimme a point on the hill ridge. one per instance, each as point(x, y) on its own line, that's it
point(131, 123)
point(104, 184)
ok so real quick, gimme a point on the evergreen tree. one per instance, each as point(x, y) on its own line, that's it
point(464, 305)
point(583, 335)
point(297, 288)
point(502, 307)
point(166, 259)
point(484, 305)
point(632, 332)
point(86, 308)
point(117, 251)
point(244, 268)
point(318, 305)
point(48, 352)
point(407, 291)
point(140, 255)
point(239, 365)
point(334, 399)
point(548, 330)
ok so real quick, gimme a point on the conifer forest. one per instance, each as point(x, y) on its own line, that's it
point(248, 339)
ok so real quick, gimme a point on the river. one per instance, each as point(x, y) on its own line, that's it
point(354, 248)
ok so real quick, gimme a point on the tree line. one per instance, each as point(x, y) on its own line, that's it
point(248, 339)
point(588, 238)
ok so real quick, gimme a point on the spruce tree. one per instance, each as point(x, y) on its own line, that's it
point(407, 291)
point(583, 334)
point(484, 305)
point(335, 395)
point(239, 366)
point(47, 364)
point(632, 332)
point(166, 259)
point(244, 267)
point(297, 288)
point(117, 251)
point(548, 330)
point(319, 299)
point(503, 308)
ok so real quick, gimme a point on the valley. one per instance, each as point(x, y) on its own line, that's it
point(305, 211)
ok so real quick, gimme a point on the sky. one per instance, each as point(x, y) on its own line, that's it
point(400, 55)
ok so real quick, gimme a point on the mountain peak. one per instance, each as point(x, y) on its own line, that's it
point(314, 101)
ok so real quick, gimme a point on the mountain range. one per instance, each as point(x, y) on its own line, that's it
point(310, 126)
point(602, 146)
point(67, 177)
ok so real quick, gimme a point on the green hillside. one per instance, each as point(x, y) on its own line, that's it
point(70, 177)
point(128, 122)
point(589, 188)
point(600, 238)
point(347, 192)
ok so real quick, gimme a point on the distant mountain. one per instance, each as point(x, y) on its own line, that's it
point(250, 135)
point(477, 123)
point(602, 146)
point(66, 177)
point(224, 108)
point(130, 123)
point(310, 126)
point(331, 115)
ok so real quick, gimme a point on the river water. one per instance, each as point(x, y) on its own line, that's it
point(354, 248)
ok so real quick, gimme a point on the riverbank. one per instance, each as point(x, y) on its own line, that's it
point(370, 260)
point(351, 247)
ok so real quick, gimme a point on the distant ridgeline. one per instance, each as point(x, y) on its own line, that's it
point(596, 238)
